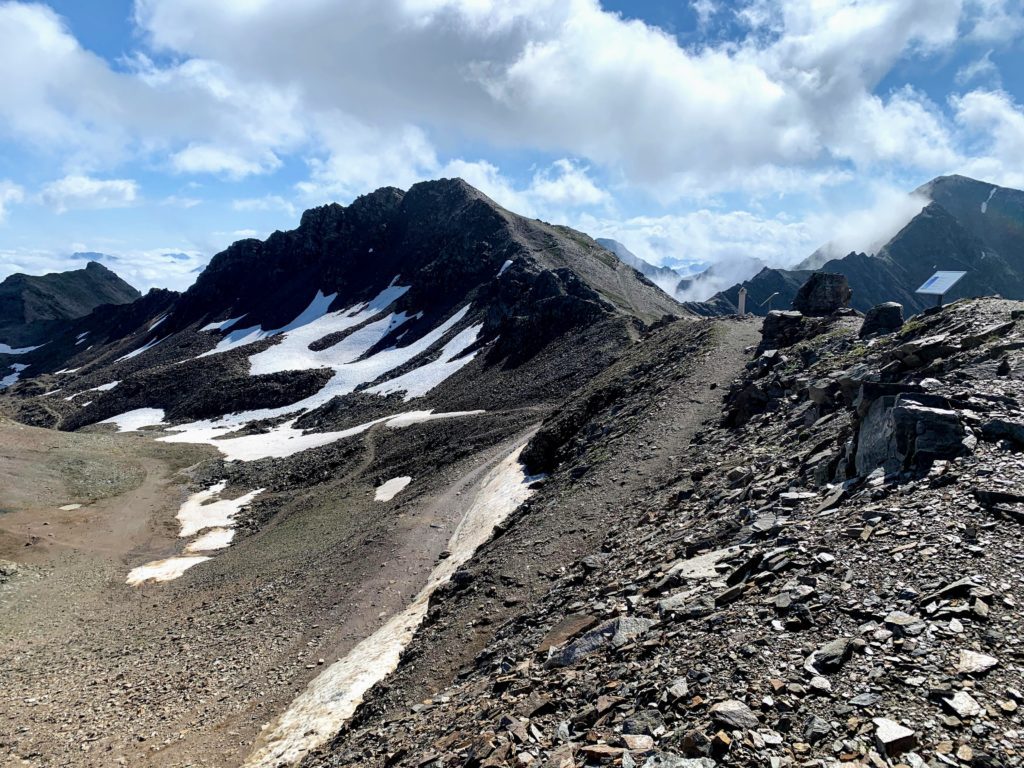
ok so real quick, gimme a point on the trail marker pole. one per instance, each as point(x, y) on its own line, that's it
point(742, 302)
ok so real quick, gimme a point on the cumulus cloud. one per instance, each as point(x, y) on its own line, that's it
point(73, 192)
point(10, 194)
point(996, 123)
point(569, 78)
point(265, 203)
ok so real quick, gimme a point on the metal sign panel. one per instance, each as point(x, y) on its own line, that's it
point(939, 283)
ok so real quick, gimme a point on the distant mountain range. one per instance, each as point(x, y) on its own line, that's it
point(969, 226)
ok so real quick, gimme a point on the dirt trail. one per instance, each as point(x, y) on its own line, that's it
point(563, 524)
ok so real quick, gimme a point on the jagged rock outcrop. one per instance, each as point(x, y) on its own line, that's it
point(823, 294)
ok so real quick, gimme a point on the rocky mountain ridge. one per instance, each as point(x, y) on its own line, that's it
point(969, 226)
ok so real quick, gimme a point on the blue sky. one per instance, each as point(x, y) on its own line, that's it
point(159, 131)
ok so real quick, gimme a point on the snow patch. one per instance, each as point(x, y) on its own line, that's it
point(8, 350)
point(157, 322)
point(163, 570)
point(200, 511)
point(984, 205)
point(139, 351)
point(387, 491)
point(223, 325)
point(11, 378)
point(133, 421)
point(332, 697)
point(419, 381)
point(504, 267)
point(80, 338)
point(216, 538)
point(101, 388)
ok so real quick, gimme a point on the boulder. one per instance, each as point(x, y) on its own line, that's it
point(611, 634)
point(823, 294)
point(882, 318)
point(900, 432)
point(781, 328)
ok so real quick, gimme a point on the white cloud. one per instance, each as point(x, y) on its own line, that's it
point(206, 158)
point(144, 268)
point(867, 229)
point(567, 184)
point(10, 194)
point(265, 203)
point(996, 21)
point(571, 79)
point(73, 192)
point(178, 201)
point(996, 124)
point(980, 69)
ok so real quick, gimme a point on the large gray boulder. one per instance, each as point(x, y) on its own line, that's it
point(901, 432)
point(823, 294)
point(882, 318)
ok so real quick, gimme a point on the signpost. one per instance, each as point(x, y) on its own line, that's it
point(742, 302)
point(939, 284)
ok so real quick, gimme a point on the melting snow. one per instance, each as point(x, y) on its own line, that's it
point(139, 351)
point(331, 698)
point(217, 538)
point(11, 378)
point(504, 266)
point(223, 325)
point(101, 388)
point(984, 205)
point(157, 322)
point(8, 350)
point(133, 421)
point(284, 439)
point(80, 338)
point(390, 489)
point(163, 570)
point(200, 511)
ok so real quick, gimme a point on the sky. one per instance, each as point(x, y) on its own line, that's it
point(157, 132)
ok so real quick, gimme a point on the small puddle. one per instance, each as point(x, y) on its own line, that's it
point(332, 697)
